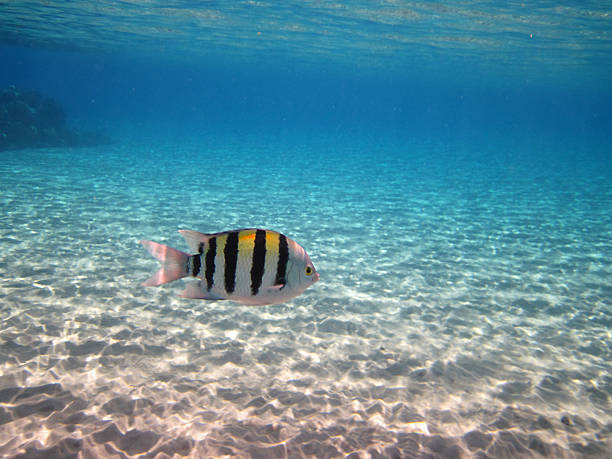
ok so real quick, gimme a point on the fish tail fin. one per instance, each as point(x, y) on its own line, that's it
point(174, 263)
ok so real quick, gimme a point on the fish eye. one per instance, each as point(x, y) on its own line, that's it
point(308, 270)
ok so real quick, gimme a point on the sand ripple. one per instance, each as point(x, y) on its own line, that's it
point(446, 327)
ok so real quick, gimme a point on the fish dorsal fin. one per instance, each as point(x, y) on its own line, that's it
point(196, 241)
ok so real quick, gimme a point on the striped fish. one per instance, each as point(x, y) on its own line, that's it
point(250, 266)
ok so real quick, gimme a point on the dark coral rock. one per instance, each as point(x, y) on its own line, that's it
point(30, 120)
point(566, 420)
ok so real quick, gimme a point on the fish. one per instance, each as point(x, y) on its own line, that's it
point(250, 266)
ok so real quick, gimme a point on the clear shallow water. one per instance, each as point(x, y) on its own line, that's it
point(464, 305)
point(447, 167)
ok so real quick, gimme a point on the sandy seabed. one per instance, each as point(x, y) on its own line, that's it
point(457, 316)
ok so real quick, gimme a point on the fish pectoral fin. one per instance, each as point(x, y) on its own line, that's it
point(196, 292)
point(276, 288)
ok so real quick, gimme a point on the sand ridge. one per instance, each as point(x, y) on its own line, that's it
point(458, 329)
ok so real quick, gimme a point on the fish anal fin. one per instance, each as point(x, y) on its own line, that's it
point(195, 291)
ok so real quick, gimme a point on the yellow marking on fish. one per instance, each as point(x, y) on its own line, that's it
point(221, 241)
point(246, 242)
point(272, 241)
point(247, 234)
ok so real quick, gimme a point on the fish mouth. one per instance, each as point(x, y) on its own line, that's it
point(316, 278)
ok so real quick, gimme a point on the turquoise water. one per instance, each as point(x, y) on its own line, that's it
point(448, 174)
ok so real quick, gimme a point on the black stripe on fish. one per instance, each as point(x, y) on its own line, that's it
point(231, 260)
point(283, 258)
point(209, 269)
point(196, 263)
point(259, 261)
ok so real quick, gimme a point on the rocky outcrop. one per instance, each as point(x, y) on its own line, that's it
point(29, 119)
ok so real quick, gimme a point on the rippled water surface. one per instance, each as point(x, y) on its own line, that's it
point(527, 40)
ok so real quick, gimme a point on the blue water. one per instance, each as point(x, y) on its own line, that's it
point(447, 168)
